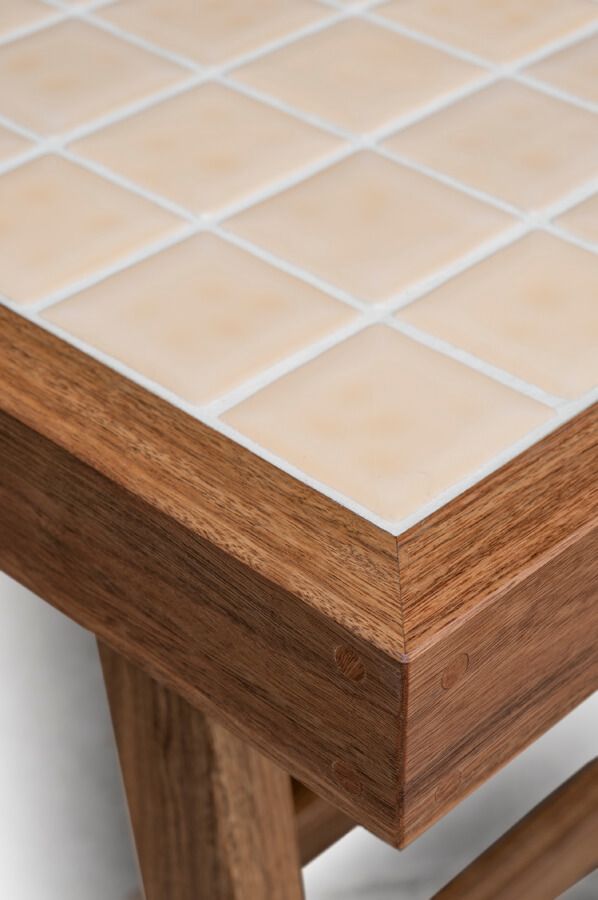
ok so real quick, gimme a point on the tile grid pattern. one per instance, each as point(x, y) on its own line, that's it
point(191, 224)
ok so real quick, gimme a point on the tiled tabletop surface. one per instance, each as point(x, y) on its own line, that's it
point(358, 237)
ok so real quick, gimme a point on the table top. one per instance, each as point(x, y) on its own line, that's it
point(357, 238)
point(298, 365)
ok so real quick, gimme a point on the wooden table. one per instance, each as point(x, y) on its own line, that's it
point(327, 500)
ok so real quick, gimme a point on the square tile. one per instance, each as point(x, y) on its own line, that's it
point(59, 223)
point(531, 309)
point(11, 144)
point(201, 317)
point(509, 141)
point(208, 147)
point(574, 70)
point(211, 31)
point(370, 226)
point(499, 30)
point(69, 74)
point(16, 14)
point(386, 421)
point(356, 75)
point(582, 220)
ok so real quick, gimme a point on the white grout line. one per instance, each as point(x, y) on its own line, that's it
point(475, 362)
point(289, 267)
point(281, 183)
point(131, 109)
point(501, 70)
point(126, 183)
point(83, 6)
point(264, 49)
point(201, 414)
point(571, 238)
point(41, 24)
point(289, 364)
point(21, 159)
point(176, 236)
point(428, 40)
point(368, 313)
point(452, 182)
point(567, 412)
point(484, 250)
point(543, 87)
point(18, 129)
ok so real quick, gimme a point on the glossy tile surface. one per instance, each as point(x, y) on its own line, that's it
point(582, 220)
point(212, 31)
point(386, 421)
point(201, 317)
point(364, 234)
point(357, 76)
point(59, 223)
point(369, 226)
point(531, 309)
point(221, 148)
point(19, 14)
point(69, 74)
point(509, 141)
point(574, 70)
point(11, 144)
point(499, 30)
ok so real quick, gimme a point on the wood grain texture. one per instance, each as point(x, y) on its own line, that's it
point(345, 567)
point(213, 819)
point(319, 824)
point(478, 696)
point(331, 645)
point(485, 538)
point(224, 637)
point(547, 852)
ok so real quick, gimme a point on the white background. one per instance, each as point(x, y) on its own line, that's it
point(64, 833)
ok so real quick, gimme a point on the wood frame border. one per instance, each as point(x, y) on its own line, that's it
point(329, 643)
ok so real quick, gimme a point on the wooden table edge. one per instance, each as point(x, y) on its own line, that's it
point(369, 601)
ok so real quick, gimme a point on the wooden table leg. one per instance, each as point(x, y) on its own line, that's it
point(547, 852)
point(213, 819)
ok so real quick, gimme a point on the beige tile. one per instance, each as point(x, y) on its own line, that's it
point(11, 144)
point(531, 309)
point(370, 226)
point(59, 223)
point(499, 30)
point(200, 317)
point(582, 219)
point(16, 14)
point(208, 148)
point(71, 73)
point(386, 421)
point(574, 70)
point(211, 31)
point(356, 75)
point(510, 141)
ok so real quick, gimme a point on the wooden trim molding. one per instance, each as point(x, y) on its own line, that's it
point(547, 852)
point(484, 540)
point(228, 640)
point(482, 693)
point(211, 816)
point(389, 675)
point(319, 825)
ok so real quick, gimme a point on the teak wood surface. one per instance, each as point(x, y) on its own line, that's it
point(212, 817)
point(547, 852)
point(390, 675)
